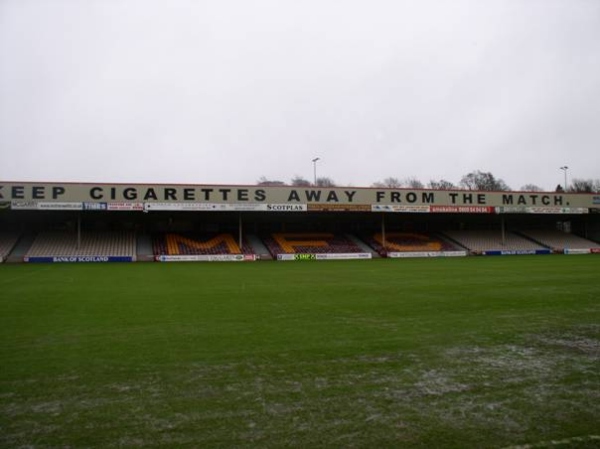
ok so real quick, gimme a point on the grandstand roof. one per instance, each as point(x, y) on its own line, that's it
point(156, 197)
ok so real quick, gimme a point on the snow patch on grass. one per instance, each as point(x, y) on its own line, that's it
point(565, 442)
point(435, 382)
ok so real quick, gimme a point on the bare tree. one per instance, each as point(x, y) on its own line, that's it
point(584, 186)
point(325, 182)
point(395, 183)
point(442, 184)
point(531, 188)
point(263, 181)
point(299, 181)
point(478, 180)
point(413, 183)
point(389, 183)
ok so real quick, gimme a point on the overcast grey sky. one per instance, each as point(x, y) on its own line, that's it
point(227, 91)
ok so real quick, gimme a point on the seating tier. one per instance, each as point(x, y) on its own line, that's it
point(97, 243)
point(309, 243)
point(407, 242)
point(198, 244)
point(491, 240)
point(560, 240)
point(7, 242)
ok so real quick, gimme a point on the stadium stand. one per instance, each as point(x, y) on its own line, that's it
point(145, 252)
point(258, 247)
point(559, 240)
point(408, 242)
point(7, 242)
point(198, 244)
point(97, 243)
point(364, 247)
point(310, 243)
point(492, 241)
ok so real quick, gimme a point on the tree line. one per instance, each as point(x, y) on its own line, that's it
point(475, 180)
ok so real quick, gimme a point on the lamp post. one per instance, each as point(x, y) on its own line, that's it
point(314, 161)
point(565, 168)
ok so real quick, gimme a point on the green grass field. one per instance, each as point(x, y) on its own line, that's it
point(442, 353)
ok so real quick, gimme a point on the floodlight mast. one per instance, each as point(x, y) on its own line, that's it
point(314, 161)
point(564, 168)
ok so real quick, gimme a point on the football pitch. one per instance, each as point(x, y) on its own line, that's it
point(477, 352)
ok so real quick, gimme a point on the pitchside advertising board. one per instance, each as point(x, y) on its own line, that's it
point(149, 198)
point(573, 251)
point(79, 259)
point(324, 256)
point(408, 254)
point(207, 258)
point(518, 252)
